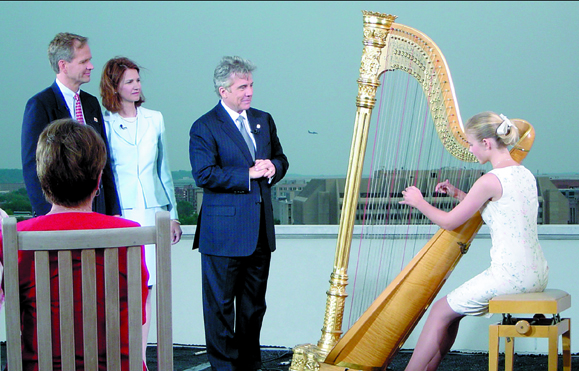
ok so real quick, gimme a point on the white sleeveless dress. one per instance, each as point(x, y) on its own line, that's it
point(517, 261)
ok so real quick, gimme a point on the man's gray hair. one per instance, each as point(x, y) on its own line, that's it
point(62, 47)
point(227, 68)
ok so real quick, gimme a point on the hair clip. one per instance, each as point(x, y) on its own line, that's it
point(505, 126)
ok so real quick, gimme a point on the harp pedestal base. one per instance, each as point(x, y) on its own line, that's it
point(309, 357)
point(549, 302)
point(306, 357)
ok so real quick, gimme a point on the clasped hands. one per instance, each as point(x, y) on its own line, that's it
point(262, 169)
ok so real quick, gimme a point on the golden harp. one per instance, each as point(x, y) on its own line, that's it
point(373, 340)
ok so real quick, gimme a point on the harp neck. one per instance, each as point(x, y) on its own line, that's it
point(526, 139)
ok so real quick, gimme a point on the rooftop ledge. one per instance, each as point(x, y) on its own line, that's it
point(546, 231)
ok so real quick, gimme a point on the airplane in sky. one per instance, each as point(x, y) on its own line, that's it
point(312, 132)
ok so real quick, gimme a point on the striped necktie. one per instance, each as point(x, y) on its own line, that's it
point(78, 109)
point(246, 136)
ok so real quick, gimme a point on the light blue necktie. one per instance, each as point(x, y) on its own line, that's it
point(246, 136)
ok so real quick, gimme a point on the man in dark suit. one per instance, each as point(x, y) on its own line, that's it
point(236, 157)
point(70, 58)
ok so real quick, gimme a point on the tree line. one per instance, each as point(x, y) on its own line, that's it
point(17, 202)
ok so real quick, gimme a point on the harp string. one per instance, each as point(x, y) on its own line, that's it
point(372, 341)
point(381, 188)
point(405, 146)
point(364, 215)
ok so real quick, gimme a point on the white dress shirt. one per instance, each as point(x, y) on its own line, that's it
point(234, 116)
point(69, 99)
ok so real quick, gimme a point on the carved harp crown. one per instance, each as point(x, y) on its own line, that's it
point(415, 53)
point(382, 329)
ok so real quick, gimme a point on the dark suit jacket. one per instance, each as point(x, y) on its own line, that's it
point(230, 216)
point(41, 110)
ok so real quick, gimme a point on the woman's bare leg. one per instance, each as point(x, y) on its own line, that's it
point(436, 339)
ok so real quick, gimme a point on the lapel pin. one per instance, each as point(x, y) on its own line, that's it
point(256, 131)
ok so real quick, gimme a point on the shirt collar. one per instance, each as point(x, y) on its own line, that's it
point(234, 115)
point(65, 90)
point(68, 95)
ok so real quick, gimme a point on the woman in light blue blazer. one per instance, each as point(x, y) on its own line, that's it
point(136, 137)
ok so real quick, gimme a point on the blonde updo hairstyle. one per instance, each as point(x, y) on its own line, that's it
point(485, 124)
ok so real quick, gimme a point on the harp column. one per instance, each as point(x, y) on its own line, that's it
point(308, 357)
point(376, 29)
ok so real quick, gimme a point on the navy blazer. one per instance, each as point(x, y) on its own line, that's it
point(229, 221)
point(41, 110)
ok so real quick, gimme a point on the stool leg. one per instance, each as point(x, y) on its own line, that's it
point(509, 353)
point(553, 347)
point(494, 348)
point(566, 340)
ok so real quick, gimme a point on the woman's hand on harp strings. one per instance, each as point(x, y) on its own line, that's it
point(486, 187)
point(412, 197)
point(447, 188)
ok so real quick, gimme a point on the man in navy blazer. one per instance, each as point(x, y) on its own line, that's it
point(235, 230)
point(70, 58)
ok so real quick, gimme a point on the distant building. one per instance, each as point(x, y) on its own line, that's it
point(573, 198)
point(322, 200)
point(186, 190)
point(185, 193)
point(318, 202)
point(288, 189)
point(189, 193)
point(553, 205)
point(570, 189)
point(283, 194)
point(282, 211)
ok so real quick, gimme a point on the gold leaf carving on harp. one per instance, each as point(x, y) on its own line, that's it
point(381, 330)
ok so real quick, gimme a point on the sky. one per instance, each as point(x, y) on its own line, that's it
point(516, 58)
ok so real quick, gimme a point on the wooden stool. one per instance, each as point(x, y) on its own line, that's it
point(548, 302)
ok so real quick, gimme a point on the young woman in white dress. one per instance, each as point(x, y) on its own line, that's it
point(136, 137)
point(507, 199)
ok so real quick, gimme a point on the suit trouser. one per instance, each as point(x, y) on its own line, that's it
point(234, 305)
